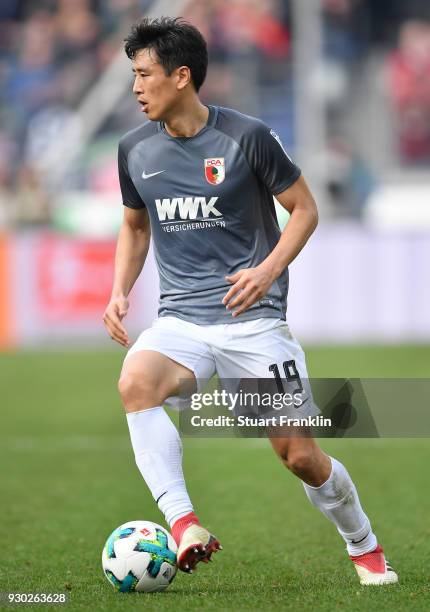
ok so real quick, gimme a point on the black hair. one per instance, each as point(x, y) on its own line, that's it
point(176, 43)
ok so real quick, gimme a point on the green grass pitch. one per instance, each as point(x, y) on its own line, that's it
point(68, 478)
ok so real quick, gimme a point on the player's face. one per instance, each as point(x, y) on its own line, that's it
point(155, 91)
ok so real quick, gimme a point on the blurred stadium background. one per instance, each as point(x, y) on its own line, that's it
point(346, 83)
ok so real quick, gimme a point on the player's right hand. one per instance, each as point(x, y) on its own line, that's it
point(112, 317)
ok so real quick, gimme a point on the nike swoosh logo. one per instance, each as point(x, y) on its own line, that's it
point(358, 541)
point(147, 176)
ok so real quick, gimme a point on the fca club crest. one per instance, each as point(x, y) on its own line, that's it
point(215, 170)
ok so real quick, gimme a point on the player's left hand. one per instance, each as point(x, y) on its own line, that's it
point(249, 286)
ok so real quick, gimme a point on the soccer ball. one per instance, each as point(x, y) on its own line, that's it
point(140, 556)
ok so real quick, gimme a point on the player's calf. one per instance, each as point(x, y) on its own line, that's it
point(302, 456)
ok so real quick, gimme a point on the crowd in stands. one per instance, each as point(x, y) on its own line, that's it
point(52, 51)
point(408, 82)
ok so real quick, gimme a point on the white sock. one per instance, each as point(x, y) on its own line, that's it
point(338, 499)
point(158, 453)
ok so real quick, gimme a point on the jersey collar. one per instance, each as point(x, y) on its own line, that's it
point(212, 119)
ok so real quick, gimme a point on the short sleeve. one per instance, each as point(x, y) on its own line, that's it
point(270, 161)
point(130, 196)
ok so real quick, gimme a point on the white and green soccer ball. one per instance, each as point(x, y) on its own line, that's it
point(140, 556)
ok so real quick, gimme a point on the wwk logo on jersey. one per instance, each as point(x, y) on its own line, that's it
point(188, 208)
point(215, 170)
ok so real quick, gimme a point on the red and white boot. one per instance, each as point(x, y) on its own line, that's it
point(373, 568)
point(195, 543)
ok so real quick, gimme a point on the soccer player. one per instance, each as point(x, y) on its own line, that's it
point(201, 180)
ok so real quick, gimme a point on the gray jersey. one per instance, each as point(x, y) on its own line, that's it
point(209, 199)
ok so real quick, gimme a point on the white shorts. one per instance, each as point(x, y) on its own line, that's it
point(258, 349)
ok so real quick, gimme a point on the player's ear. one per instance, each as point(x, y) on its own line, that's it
point(183, 77)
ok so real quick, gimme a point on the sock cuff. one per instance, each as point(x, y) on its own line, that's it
point(335, 490)
point(130, 415)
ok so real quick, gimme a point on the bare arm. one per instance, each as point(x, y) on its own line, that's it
point(131, 251)
point(300, 204)
point(250, 285)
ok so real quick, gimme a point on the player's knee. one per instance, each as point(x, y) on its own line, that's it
point(300, 462)
point(137, 391)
